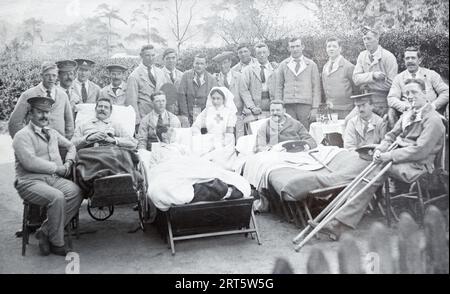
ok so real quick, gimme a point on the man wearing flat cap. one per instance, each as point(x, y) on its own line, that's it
point(61, 118)
point(230, 79)
point(86, 89)
point(116, 90)
point(66, 76)
point(366, 127)
point(245, 57)
point(41, 174)
point(374, 71)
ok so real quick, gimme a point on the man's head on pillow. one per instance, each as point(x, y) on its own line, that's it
point(165, 134)
point(103, 108)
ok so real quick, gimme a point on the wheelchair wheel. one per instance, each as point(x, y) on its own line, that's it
point(100, 213)
point(143, 203)
point(409, 203)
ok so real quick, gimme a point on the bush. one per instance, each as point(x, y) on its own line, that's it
point(17, 76)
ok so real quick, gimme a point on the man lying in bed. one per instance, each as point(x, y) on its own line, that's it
point(101, 130)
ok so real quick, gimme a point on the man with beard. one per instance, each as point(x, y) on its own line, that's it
point(281, 127)
point(66, 76)
point(61, 118)
point(40, 174)
point(102, 130)
point(116, 90)
point(437, 90)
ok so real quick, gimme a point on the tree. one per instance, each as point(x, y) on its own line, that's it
point(149, 33)
point(248, 21)
point(33, 30)
point(104, 11)
point(180, 32)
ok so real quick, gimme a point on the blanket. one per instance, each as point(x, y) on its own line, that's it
point(98, 162)
point(171, 182)
point(258, 167)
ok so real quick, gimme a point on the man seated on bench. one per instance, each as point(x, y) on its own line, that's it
point(281, 127)
point(366, 127)
point(420, 136)
point(101, 130)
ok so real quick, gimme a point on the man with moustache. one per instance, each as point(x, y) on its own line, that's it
point(145, 79)
point(61, 118)
point(102, 130)
point(280, 128)
point(41, 174)
point(437, 90)
point(66, 76)
point(117, 89)
point(194, 88)
point(86, 89)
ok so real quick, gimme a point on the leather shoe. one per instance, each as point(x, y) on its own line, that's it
point(58, 250)
point(44, 243)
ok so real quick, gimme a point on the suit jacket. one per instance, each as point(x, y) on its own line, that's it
point(36, 156)
point(234, 87)
point(189, 94)
point(303, 88)
point(338, 84)
point(437, 90)
point(384, 61)
point(119, 97)
point(424, 138)
point(250, 88)
point(93, 91)
point(139, 89)
point(61, 116)
point(354, 136)
point(176, 76)
point(239, 67)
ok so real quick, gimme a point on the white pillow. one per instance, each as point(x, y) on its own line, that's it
point(183, 136)
point(255, 125)
point(122, 115)
point(246, 144)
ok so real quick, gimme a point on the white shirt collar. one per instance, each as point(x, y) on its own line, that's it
point(44, 90)
point(419, 73)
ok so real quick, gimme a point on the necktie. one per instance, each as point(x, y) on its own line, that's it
point(262, 74)
point(366, 127)
point(84, 92)
point(413, 75)
point(197, 80)
point(115, 90)
point(160, 121)
point(49, 94)
point(297, 66)
point(225, 81)
point(171, 77)
point(151, 76)
point(68, 93)
point(330, 68)
point(371, 58)
point(46, 133)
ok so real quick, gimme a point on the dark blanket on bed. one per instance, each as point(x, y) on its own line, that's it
point(215, 190)
point(98, 162)
point(293, 184)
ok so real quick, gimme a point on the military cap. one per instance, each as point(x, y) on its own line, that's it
point(366, 152)
point(41, 103)
point(362, 96)
point(366, 29)
point(119, 67)
point(47, 66)
point(66, 65)
point(84, 63)
point(222, 56)
point(295, 146)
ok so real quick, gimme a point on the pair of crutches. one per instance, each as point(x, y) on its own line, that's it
point(341, 201)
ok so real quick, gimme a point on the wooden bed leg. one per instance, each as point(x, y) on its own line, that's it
point(256, 227)
point(292, 209)
point(300, 214)
point(169, 233)
point(285, 211)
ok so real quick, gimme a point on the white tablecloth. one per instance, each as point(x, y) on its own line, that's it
point(318, 130)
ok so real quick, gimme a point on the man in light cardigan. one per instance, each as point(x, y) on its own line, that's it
point(298, 84)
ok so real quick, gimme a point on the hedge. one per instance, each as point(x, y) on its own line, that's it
point(16, 77)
